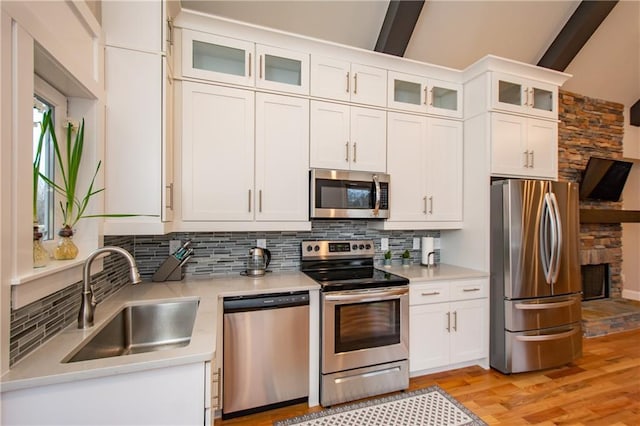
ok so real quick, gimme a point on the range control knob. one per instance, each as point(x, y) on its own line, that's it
point(309, 248)
point(361, 247)
point(316, 248)
point(368, 246)
point(354, 247)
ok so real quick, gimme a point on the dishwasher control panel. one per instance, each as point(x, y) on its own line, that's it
point(265, 301)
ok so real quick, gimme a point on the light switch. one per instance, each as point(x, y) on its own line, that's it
point(436, 243)
point(416, 243)
point(384, 244)
point(261, 242)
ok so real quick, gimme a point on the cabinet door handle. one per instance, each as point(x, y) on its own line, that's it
point(425, 95)
point(424, 199)
point(260, 201)
point(449, 322)
point(170, 32)
point(455, 320)
point(348, 82)
point(526, 158)
point(260, 66)
point(531, 158)
point(466, 290)
point(355, 83)
point(526, 96)
point(430, 97)
point(431, 293)
point(346, 146)
point(249, 64)
point(431, 204)
point(170, 188)
point(249, 201)
point(355, 151)
point(219, 390)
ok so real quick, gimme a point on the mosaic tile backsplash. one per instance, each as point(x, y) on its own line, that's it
point(215, 254)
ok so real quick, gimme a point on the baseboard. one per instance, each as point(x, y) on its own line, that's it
point(631, 294)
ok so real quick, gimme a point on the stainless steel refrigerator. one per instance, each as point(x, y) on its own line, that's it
point(535, 275)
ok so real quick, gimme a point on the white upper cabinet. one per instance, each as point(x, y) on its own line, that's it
point(516, 94)
point(419, 94)
point(229, 60)
point(523, 146)
point(230, 176)
point(282, 158)
point(217, 153)
point(424, 160)
point(346, 137)
point(344, 81)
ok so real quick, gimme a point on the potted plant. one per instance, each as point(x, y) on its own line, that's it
point(406, 258)
point(72, 206)
point(387, 258)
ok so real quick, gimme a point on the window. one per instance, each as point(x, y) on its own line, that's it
point(44, 197)
point(47, 98)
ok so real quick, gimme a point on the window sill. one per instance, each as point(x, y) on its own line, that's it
point(42, 282)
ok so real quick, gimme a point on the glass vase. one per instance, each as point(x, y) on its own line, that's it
point(40, 254)
point(66, 248)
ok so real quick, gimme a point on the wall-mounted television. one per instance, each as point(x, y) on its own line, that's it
point(603, 179)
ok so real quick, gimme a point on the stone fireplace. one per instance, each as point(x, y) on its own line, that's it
point(593, 127)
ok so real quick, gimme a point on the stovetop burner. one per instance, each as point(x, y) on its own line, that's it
point(345, 265)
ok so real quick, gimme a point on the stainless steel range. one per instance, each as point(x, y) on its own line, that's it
point(364, 321)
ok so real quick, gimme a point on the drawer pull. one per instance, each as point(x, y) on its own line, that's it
point(433, 293)
point(466, 290)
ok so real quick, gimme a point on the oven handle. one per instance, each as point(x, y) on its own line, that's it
point(366, 296)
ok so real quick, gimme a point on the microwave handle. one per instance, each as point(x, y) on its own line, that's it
point(376, 208)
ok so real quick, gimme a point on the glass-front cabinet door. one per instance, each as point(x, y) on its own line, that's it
point(282, 70)
point(512, 93)
point(211, 57)
point(414, 93)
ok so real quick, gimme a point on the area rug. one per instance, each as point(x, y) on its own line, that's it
point(431, 406)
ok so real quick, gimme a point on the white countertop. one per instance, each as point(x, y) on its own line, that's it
point(43, 366)
point(420, 273)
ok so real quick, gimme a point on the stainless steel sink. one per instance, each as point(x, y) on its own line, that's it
point(141, 328)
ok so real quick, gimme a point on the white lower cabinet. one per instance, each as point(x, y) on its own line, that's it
point(163, 396)
point(424, 159)
point(245, 155)
point(212, 393)
point(448, 324)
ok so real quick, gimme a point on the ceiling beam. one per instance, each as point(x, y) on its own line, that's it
point(634, 114)
point(583, 23)
point(398, 26)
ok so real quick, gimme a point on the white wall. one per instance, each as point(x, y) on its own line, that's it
point(631, 201)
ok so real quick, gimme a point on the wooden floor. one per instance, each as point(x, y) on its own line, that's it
point(600, 388)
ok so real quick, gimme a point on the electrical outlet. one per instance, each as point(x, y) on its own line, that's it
point(436, 243)
point(384, 244)
point(174, 245)
point(416, 243)
point(261, 242)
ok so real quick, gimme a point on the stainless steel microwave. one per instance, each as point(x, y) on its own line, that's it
point(348, 194)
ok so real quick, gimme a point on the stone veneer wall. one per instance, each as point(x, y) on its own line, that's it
point(216, 254)
point(592, 127)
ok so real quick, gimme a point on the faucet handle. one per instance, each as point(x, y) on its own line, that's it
point(92, 291)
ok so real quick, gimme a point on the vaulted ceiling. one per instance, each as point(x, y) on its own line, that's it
point(456, 33)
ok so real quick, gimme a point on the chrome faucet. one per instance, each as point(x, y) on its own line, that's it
point(88, 302)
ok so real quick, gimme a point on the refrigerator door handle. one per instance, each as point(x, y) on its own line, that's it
point(553, 258)
point(544, 306)
point(548, 337)
point(545, 256)
point(558, 230)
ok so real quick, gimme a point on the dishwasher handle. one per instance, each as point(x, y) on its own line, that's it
point(265, 301)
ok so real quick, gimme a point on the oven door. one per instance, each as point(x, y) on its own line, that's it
point(364, 327)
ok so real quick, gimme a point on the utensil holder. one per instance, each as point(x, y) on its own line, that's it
point(170, 270)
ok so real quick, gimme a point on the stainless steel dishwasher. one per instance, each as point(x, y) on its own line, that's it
point(266, 352)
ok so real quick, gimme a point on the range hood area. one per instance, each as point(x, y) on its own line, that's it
point(603, 180)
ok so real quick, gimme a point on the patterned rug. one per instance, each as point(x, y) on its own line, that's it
point(431, 406)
